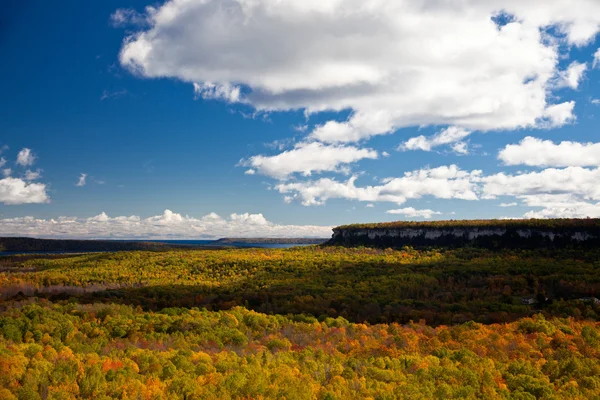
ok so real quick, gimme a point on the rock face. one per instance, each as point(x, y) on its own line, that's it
point(511, 235)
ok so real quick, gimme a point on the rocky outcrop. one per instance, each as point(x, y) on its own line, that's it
point(517, 235)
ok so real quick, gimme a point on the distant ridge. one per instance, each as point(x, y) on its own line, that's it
point(31, 245)
point(272, 240)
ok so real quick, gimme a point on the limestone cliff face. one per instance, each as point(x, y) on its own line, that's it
point(464, 236)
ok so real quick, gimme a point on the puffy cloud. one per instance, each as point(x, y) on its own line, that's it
point(249, 172)
point(452, 135)
point(391, 63)
point(446, 182)
point(560, 206)
point(597, 58)
point(537, 152)
point(306, 158)
point(17, 191)
point(575, 181)
point(411, 212)
point(567, 192)
point(168, 225)
point(571, 77)
point(82, 180)
point(557, 115)
point(25, 157)
point(33, 175)
point(225, 92)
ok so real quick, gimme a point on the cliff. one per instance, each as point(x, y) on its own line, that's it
point(477, 233)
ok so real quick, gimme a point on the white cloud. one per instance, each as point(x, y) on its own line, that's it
point(537, 152)
point(168, 225)
point(597, 58)
point(33, 175)
point(6, 172)
point(81, 180)
point(225, 92)
point(25, 157)
point(249, 172)
point(452, 135)
point(17, 191)
point(390, 63)
point(557, 115)
point(446, 182)
point(461, 148)
point(2, 162)
point(560, 206)
point(572, 76)
point(595, 101)
point(571, 191)
point(127, 16)
point(370, 205)
point(575, 181)
point(307, 158)
point(410, 212)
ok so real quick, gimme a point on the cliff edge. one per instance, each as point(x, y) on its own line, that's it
point(525, 233)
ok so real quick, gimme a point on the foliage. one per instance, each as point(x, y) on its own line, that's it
point(68, 350)
point(359, 284)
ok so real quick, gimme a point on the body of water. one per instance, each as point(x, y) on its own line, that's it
point(231, 244)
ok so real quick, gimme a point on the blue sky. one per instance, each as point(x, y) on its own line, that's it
point(252, 108)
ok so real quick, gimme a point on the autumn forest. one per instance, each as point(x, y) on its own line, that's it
point(314, 322)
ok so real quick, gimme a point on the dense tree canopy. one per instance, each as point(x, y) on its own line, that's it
point(302, 323)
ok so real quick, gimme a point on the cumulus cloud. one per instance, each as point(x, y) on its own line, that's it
point(411, 212)
point(391, 63)
point(572, 75)
point(33, 175)
point(446, 182)
point(597, 58)
point(225, 92)
point(560, 206)
point(307, 158)
point(557, 115)
point(25, 157)
point(575, 181)
point(545, 153)
point(452, 135)
point(558, 192)
point(82, 180)
point(17, 191)
point(168, 225)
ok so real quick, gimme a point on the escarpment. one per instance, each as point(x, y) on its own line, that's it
point(477, 233)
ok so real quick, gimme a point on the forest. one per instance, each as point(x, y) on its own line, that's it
point(314, 322)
